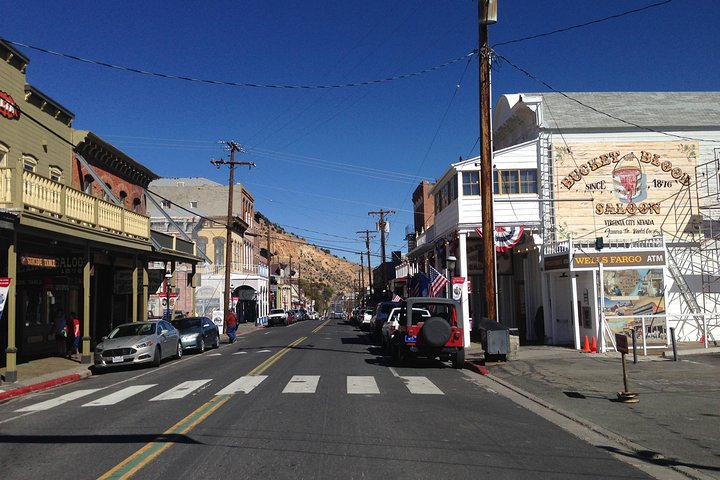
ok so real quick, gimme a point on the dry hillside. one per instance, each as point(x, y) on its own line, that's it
point(313, 263)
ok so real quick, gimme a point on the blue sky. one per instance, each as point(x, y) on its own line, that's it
point(327, 156)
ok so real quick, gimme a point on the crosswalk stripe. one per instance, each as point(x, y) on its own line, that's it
point(242, 384)
point(302, 384)
point(180, 391)
point(362, 385)
point(54, 402)
point(421, 386)
point(118, 396)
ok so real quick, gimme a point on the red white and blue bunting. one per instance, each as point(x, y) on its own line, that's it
point(505, 237)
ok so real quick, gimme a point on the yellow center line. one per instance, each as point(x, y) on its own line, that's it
point(317, 329)
point(135, 462)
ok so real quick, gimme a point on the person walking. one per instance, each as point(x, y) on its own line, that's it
point(231, 322)
point(74, 324)
point(60, 330)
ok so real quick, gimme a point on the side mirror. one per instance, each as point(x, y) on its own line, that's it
point(103, 338)
point(163, 332)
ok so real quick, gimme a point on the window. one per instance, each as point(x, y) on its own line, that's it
point(471, 183)
point(123, 197)
point(219, 251)
point(166, 203)
point(193, 204)
point(29, 163)
point(4, 155)
point(137, 205)
point(88, 184)
point(105, 194)
point(515, 181)
point(55, 174)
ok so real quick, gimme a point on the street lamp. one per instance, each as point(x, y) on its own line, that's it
point(450, 262)
point(168, 276)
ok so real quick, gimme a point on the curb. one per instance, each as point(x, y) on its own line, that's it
point(17, 392)
point(476, 368)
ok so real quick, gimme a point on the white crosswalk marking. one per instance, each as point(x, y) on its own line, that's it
point(362, 385)
point(421, 386)
point(302, 384)
point(181, 391)
point(118, 396)
point(242, 384)
point(54, 402)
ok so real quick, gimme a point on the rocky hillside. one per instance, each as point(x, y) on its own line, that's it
point(314, 264)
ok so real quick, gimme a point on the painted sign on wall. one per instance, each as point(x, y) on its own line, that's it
point(633, 190)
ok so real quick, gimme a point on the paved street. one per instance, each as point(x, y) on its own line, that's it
point(313, 400)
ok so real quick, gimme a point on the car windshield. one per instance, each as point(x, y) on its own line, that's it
point(132, 330)
point(422, 312)
point(277, 310)
point(186, 323)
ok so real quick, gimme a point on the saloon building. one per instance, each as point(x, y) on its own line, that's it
point(606, 211)
point(73, 229)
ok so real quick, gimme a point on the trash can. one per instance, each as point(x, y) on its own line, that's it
point(495, 339)
point(514, 349)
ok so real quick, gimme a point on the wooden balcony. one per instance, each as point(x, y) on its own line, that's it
point(43, 197)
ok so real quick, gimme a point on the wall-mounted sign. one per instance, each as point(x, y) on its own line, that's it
point(591, 260)
point(38, 261)
point(8, 107)
point(633, 190)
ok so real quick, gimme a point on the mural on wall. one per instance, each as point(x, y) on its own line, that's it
point(634, 295)
point(634, 190)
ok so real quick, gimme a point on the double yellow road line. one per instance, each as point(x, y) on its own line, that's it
point(135, 462)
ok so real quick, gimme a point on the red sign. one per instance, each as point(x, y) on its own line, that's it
point(8, 108)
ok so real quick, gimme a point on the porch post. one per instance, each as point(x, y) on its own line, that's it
point(576, 314)
point(135, 291)
point(11, 302)
point(86, 357)
point(462, 258)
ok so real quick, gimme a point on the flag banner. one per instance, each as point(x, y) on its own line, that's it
point(437, 282)
point(458, 284)
point(505, 237)
point(396, 298)
point(4, 287)
point(419, 285)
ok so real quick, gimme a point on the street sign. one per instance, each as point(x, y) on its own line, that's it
point(621, 340)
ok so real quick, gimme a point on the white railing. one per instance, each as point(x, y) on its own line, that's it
point(46, 197)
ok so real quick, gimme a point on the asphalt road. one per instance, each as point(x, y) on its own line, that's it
point(312, 400)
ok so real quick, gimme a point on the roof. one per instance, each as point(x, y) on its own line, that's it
point(183, 182)
point(660, 110)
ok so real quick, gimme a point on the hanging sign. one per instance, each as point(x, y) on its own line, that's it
point(458, 283)
point(4, 287)
point(8, 107)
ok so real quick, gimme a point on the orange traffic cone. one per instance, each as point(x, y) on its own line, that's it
point(593, 348)
point(586, 346)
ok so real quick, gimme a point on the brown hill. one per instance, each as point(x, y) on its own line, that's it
point(314, 265)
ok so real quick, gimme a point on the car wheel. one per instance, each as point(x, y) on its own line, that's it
point(458, 359)
point(179, 353)
point(217, 341)
point(402, 355)
point(202, 345)
point(435, 332)
point(157, 357)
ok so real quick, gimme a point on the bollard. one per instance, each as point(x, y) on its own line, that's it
point(674, 345)
point(634, 340)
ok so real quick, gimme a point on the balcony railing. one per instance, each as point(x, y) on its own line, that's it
point(43, 196)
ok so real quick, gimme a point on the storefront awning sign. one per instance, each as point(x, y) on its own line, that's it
point(505, 237)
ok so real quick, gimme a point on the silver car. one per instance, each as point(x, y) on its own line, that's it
point(138, 342)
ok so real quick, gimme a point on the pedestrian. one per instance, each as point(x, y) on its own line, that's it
point(75, 324)
point(231, 322)
point(60, 330)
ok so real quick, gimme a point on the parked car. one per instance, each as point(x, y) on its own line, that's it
point(277, 316)
point(381, 314)
point(138, 342)
point(440, 335)
point(366, 320)
point(390, 326)
point(196, 333)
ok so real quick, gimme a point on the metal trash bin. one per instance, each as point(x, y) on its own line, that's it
point(494, 338)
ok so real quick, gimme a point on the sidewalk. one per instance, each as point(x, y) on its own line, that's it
point(48, 372)
point(675, 423)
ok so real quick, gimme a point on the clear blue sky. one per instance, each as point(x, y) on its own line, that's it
point(326, 157)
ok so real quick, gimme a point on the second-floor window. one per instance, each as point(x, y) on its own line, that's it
point(515, 181)
point(471, 183)
point(55, 174)
point(29, 163)
point(219, 251)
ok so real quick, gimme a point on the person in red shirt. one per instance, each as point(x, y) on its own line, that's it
point(231, 322)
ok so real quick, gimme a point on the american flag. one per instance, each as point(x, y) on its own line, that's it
point(437, 282)
point(396, 298)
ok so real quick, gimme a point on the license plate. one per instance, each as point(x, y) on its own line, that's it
point(410, 338)
point(117, 359)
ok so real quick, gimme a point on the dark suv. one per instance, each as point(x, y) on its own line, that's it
point(432, 330)
point(380, 316)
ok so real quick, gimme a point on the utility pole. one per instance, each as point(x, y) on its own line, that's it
point(381, 227)
point(362, 278)
point(233, 147)
point(367, 246)
point(487, 14)
point(269, 262)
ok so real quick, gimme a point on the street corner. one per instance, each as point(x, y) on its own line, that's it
point(477, 367)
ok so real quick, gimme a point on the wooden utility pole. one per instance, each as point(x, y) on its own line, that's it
point(233, 147)
point(269, 261)
point(487, 13)
point(381, 227)
point(362, 277)
point(367, 246)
